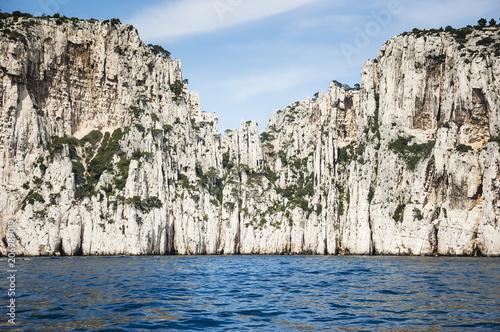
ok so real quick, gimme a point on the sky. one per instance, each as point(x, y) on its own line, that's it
point(248, 58)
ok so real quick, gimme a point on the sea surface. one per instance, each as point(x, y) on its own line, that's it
point(254, 293)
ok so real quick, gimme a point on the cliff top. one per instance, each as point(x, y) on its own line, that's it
point(482, 34)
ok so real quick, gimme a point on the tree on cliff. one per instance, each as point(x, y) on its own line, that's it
point(157, 49)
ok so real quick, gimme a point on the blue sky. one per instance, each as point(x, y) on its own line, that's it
point(247, 58)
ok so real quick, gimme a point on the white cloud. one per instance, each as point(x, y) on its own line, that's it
point(338, 21)
point(179, 18)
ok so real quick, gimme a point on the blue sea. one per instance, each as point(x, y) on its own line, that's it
point(254, 293)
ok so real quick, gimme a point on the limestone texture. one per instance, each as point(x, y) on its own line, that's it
point(105, 151)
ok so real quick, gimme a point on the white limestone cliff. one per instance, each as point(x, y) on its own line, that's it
point(104, 151)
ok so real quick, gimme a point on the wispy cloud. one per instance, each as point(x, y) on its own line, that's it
point(180, 18)
point(339, 21)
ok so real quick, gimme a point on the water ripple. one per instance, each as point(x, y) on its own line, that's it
point(273, 293)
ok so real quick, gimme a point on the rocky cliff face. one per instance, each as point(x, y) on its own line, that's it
point(103, 150)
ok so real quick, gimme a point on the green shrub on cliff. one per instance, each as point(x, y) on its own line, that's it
point(57, 144)
point(177, 89)
point(399, 213)
point(463, 148)
point(93, 138)
point(146, 205)
point(414, 153)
